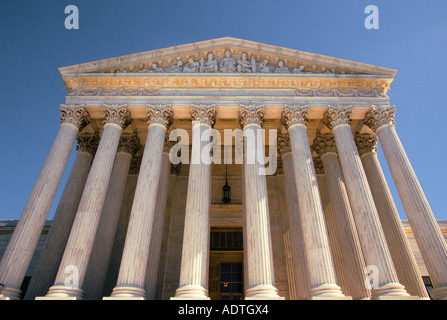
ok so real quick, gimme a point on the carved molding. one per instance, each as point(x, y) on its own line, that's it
point(135, 165)
point(204, 113)
point(318, 165)
point(129, 143)
point(366, 143)
point(87, 142)
point(379, 116)
point(323, 143)
point(304, 86)
point(159, 114)
point(251, 114)
point(284, 144)
point(294, 115)
point(116, 114)
point(74, 114)
point(337, 115)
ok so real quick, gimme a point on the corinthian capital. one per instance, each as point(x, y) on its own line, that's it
point(366, 143)
point(284, 144)
point(294, 115)
point(88, 142)
point(116, 114)
point(379, 116)
point(337, 115)
point(324, 143)
point(251, 114)
point(204, 113)
point(159, 114)
point(129, 143)
point(74, 114)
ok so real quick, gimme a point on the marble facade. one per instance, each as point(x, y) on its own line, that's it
point(131, 224)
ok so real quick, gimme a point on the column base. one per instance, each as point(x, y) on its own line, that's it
point(327, 291)
point(262, 292)
point(191, 292)
point(127, 293)
point(391, 291)
point(440, 293)
point(62, 292)
point(10, 293)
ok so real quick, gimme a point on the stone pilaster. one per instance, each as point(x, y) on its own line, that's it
point(22, 244)
point(420, 216)
point(258, 255)
point(195, 251)
point(353, 263)
point(131, 277)
point(80, 242)
point(300, 268)
point(53, 249)
point(102, 248)
point(320, 264)
point(369, 230)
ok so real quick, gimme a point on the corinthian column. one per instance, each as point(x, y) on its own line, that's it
point(80, 242)
point(353, 263)
point(404, 261)
point(427, 233)
point(195, 251)
point(131, 277)
point(320, 265)
point(258, 249)
point(301, 273)
point(159, 227)
point(102, 248)
point(51, 254)
point(372, 239)
point(23, 242)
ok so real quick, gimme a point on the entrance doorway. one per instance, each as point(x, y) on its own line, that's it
point(226, 277)
point(231, 281)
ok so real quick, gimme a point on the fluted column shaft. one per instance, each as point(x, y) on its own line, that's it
point(372, 239)
point(131, 277)
point(158, 228)
point(258, 249)
point(195, 251)
point(320, 264)
point(403, 258)
point(80, 242)
point(426, 230)
point(105, 235)
point(353, 261)
point(23, 242)
point(300, 268)
point(53, 249)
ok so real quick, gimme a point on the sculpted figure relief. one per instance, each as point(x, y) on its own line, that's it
point(191, 66)
point(210, 65)
point(264, 66)
point(155, 68)
point(178, 67)
point(243, 65)
point(281, 68)
point(228, 63)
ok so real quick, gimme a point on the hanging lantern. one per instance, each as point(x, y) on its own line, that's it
point(226, 189)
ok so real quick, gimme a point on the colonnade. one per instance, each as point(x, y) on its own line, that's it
point(363, 214)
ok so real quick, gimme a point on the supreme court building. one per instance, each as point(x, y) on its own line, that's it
point(300, 211)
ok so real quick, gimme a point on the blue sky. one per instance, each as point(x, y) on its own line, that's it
point(34, 44)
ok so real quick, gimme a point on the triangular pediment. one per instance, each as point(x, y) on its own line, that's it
point(227, 55)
